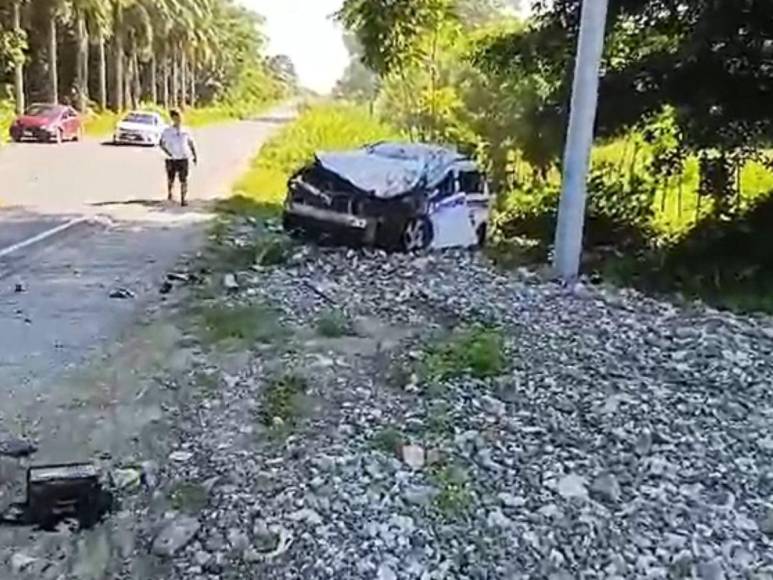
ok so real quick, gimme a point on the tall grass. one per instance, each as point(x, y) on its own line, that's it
point(677, 206)
point(323, 127)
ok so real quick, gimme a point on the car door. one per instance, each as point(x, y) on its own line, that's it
point(473, 184)
point(450, 216)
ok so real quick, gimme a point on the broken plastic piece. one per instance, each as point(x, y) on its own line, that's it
point(68, 491)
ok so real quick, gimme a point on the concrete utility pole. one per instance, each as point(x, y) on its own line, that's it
point(579, 140)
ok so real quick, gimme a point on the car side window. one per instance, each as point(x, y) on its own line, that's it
point(445, 188)
point(471, 182)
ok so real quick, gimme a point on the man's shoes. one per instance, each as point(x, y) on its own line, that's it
point(184, 203)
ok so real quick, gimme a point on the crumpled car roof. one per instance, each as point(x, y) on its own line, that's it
point(388, 170)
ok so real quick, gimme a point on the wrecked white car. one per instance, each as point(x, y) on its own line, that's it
point(392, 195)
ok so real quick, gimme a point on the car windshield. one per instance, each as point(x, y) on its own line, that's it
point(141, 118)
point(42, 111)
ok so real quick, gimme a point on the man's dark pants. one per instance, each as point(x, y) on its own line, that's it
point(178, 168)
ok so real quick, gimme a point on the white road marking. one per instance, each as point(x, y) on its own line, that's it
point(42, 236)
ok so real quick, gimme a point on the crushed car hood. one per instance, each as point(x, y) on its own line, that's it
point(388, 170)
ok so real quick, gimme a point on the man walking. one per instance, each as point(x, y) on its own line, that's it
point(180, 149)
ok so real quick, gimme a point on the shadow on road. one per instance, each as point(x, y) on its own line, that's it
point(161, 205)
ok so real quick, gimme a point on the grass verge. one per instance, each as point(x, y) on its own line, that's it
point(219, 324)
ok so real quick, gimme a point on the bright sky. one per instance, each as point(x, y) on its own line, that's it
point(303, 30)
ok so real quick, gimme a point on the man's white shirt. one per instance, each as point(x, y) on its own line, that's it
point(178, 142)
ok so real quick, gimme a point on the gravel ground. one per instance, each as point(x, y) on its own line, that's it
point(625, 438)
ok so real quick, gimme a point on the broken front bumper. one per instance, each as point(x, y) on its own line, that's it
point(329, 222)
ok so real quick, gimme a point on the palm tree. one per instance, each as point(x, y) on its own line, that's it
point(139, 31)
point(54, 10)
point(94, 16)
point(161, 19)
point(100, 24)
point(18, 65)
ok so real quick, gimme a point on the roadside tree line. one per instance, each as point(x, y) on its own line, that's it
point(118, 53)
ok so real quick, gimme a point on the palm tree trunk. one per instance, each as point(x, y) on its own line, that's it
point(183, 79)
point(118, 87)
point(165, 81)
point(153, 79)
point(175, 80)
point(82, 64)
point(127, 85)
point(135, 83)
point(53, 60)
point(102, 73)
point(19, 64)
point(193, 82)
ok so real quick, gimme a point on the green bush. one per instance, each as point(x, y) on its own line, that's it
point(324, 127)
point(7, 115)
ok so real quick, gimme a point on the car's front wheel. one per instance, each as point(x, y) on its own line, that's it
point(482, 234)
point(417, 235)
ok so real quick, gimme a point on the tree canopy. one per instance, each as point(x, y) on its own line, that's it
point(171, 52)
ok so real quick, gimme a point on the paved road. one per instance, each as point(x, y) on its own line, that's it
point(95, 178)
point(66, 313)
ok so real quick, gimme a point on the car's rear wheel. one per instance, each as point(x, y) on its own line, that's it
point(417, 235)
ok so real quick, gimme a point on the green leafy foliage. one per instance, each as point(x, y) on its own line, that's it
point(283, 402)
point(454, 484)
point(477, 351)
point(389, 440)
point(7, 115)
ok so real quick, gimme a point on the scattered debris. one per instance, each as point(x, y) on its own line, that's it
point(230, 283)
point(180, 456)
point(128, 479)
point(20, 562)
point(122, 294)
point(69, 491)
point(16, 448)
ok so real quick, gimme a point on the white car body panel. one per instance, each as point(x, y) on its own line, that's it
point(452, 224)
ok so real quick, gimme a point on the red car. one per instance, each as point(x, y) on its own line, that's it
point(41, 122)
